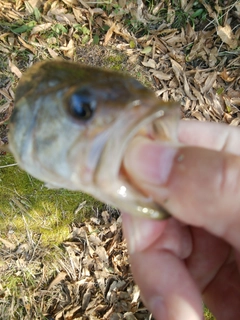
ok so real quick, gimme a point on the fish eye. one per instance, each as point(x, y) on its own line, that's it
point(81, 105)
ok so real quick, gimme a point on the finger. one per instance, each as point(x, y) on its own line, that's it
point(141, 233)
point(170, 235)
point(209, 254)
point(216, 136)
point(222, 295)
point(166, 287)
point(213, 267)
point(158, 267)
point(198, 186)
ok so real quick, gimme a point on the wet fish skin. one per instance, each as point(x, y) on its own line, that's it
point(71, 126)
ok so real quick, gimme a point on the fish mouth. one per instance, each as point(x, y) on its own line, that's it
point(160, 123)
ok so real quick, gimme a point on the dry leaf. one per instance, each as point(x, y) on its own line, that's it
point(27, 45)
point(41, 28)
point(73, 2)
point(198, 115)
point(177, 69)
point(109, 34)
point(209, 9)
point(213, 57)
point(60, 276)
point(187, 88)
point(235, 101)
point(235, 122)
point(233, 93)
point(4, 107)
point(15, 69)
point(8, 244)
point(52, 53)
point(225, 76)
point(6, 94)
point(150, 63)
point(35, 3)
point(209, 82)
point(226, 35)
point(69, 50)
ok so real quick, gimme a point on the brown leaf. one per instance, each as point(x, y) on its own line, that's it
point(60, 276)
point(209, 82)
point(109, 34)
point(235, 122)
point(235, 101)
point(6, 94)
point(86, 299)
point(41, 28)
point(102, 254)
point(233, 93)
point(52, 53)
point(4, 107)
point(14, 69)
point(226, 76)
point(213, 57)
point(27, 45)
point(35, 3)
point(150, 63)
point(69, 50)
point(187, 88)
point(161, 75)
point(226, 35)
point(209, 9)
point(198, 115)
point(8, 244)
point(177, 69)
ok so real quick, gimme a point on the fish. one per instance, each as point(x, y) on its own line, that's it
point(72, 124)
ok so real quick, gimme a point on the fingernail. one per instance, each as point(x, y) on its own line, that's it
point(149, 161)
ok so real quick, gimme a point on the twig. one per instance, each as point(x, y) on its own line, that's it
point(8, 165)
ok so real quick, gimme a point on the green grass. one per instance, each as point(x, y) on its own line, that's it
point(208, 315)
point(26, 203)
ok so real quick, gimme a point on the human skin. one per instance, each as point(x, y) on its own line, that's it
point(193, 256)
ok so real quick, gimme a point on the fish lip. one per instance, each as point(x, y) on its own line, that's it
point(120, 135)
point(105, 151)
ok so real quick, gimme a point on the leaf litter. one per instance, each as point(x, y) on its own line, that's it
point(190, 55)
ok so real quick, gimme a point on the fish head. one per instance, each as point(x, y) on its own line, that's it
point(72, 123)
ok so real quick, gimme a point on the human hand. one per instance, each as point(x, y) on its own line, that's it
point(195, 254)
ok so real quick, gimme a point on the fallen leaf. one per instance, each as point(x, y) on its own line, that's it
point(198, 115)
point(209, 82)
point(52, 53)
point(235, 122)
point(149, 63)
point(161, 75)
point(109, 34)
point(225, 76)
point(8, 244)
point(69, 50)
point(146, 50)
point(14, 69)
point(41, 28)
point(226, 35)
point(27, 45)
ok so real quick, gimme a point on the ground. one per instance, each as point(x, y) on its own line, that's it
point(62, 254)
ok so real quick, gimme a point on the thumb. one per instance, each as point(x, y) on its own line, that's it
point(200, 187)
